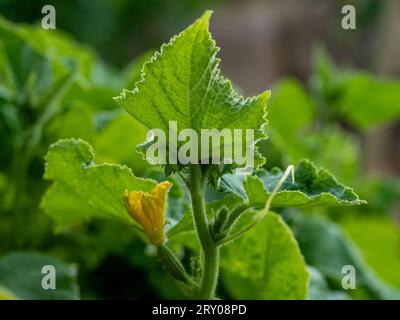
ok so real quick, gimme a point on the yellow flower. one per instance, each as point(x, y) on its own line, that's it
point(147, 208)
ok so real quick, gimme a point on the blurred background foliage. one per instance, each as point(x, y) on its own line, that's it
point(336, 100)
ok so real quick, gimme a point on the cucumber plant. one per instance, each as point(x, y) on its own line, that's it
point(182, 83)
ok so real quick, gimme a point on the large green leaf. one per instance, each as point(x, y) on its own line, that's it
point(311, 187)
point(83, 190)
point(21, 277)
point(266, 263)
point(182, 83)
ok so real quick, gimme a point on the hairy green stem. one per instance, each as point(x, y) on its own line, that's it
point(210, 251)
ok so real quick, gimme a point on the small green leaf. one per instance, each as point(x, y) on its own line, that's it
point(311, 187)
point(82, 189)
point(21, 275)
point(266, 263)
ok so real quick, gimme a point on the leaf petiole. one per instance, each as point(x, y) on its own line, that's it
point(261, 214)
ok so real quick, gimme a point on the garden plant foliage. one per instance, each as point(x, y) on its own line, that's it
point(273, 234)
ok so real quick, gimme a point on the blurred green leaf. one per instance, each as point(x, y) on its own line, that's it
point(327, 248)
point(6, 294)
point(21, 275)
point(361, 98)
point(378, 239)
point(298, 131)
point(133, 72)
point(368, 101)
point(32, 78)
point(382, 193)
point(290, 114)
point(322, 146)
point(125, 129)
point(75, 121)
point(319, 288)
